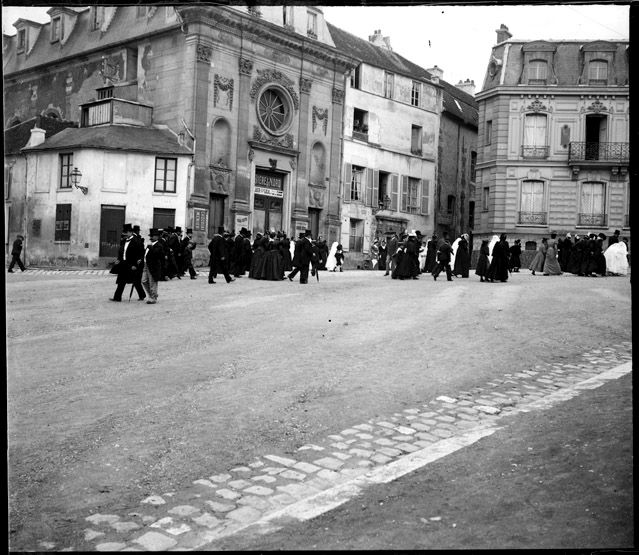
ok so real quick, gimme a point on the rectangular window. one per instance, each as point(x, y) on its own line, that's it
point(22, 40)
point(141, 11)
point(489, 132)
point(416, 140)
point(200, 219)
point(66, 166)
point(62, 222)
point(532, 204)
point(163, 217)
point(360, 124)
point(384, 191)
point(485, 199)
point(592, 204)
point(537, 72)
point(389, 80)
point(355, 77)
point(410, 195)
point(357, 179)
point(471, 214)
point(598, 72)
point(415, 93)
point(56, 26)
point(356, 236)
point(535, 141)
point(165, 169)
point(8, 174)
point(311, 26)
point(451, 205)
point(473, 166)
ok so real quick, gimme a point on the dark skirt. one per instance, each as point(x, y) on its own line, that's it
point(272, 267)
point(482, 266)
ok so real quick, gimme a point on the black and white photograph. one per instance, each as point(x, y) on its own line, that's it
point(306, 277)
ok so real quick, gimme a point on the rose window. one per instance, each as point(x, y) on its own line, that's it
point(274, 110)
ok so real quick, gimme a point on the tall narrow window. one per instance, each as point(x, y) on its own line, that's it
point(535, 136)
point(66, 166)
point(355, 77)
point(311, 26)
point(356, 236)
point(356, 182)
point(415, 93)
point(473, 166)
point(22, 40)
point(598, 72)
point(389, 80)
point(532, 203)
point(56, 26)
point(537, 72)
point(62, 222)
point(489, 132)
point(485, 199)
point(416, 140)
point(592, 204)
point(165, 175)
point(451, 205)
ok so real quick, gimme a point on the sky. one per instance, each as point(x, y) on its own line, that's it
point(458, 39)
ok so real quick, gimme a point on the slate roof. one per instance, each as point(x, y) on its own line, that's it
point(115, 137)
point(16, 137)
point(370, 54)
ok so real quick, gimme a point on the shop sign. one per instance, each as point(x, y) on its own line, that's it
point(269, 192)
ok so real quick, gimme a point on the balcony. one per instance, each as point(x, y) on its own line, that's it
point(537, 152)
point(533, 218)
point(360, 135)
point(115, 111)
point(617, 154)
point(592, 220)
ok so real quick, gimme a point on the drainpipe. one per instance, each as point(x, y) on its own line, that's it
point(190, 168)
point(25, 210)
point(340, 193)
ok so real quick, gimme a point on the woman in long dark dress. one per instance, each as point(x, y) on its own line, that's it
point(382, 255)
point(408, 266)
point(565, 250)
point(537, 264)
point(462, 258)
point(576, 253)
point(515, 256)
point(257, 260)
point(285, 251)
point(431, 253)
point(498, 269)
point(482, 262)
point(272, 267)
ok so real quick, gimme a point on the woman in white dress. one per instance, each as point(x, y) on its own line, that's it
point(455, 245)
point(330, 260)
point(617, 259)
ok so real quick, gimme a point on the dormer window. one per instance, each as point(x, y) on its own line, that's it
point(538, 72)
point(598, 72)
point(56, 29)
point(311, 25)
point(22, 40)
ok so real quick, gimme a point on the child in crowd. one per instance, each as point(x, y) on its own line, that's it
point(339, 258)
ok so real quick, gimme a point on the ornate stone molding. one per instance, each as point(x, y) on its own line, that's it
point(597, 106)
point(265, 76)
point(305, 85)
point(204, 53)
point(536, 106)
point(251, 154)
point(320, 114)
point(287, 141)
point(316, 197)
point(338, 96)
point(293, 164)
point(219, 179)
point(222, 84)
point(246, 66)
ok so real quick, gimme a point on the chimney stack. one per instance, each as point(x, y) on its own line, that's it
point(467, 86)
point(436, 73)
point(378, 40)
point(37, 137)
point(503, 33)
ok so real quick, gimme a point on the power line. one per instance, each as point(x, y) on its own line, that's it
point(597, 22)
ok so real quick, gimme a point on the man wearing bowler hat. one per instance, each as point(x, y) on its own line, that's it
point(130, 264)
point(304, 254)
point(153, 259)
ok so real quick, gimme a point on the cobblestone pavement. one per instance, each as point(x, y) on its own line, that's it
point(262, 494)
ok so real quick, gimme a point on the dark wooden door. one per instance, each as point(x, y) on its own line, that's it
point(111, 225)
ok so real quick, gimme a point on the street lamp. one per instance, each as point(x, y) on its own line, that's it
point(76, 176)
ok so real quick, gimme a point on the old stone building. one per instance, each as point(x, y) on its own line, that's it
point(553, 149)
point(256, 94)
point(391, 126)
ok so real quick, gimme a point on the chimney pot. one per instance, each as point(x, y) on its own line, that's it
point(503, 33)
point(37, 137)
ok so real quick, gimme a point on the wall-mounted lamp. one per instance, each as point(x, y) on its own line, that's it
point(76, 176)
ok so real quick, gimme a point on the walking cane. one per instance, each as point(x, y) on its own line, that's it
point(131, 292)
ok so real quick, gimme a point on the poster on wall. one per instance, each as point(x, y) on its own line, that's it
point(241, 220)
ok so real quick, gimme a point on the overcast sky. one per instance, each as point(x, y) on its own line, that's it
point(458, 39)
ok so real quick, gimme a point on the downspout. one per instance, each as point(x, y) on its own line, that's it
point(190, 167)
point(26, 209)
point(340, 195)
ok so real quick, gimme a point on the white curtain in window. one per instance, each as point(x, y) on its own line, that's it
point(535, 130)
point(592, 198)
point(532, 196)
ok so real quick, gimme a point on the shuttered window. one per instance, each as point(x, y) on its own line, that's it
point(394, 192)
point(425, 197)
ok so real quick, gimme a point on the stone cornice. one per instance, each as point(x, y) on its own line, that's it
point(620, 92)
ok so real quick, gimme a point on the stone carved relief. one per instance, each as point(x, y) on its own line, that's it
point(287, 141)
point(322, 115)
point(597, 106)
point(315, 197)
point(246, 66)
point(110, 71)
point(305, 85)
point(265, 76)
point(251, 154)
point(220, 180)
point(338, 96)
point(536, 106)
point(225, 85)
point(204, 53)
point(293, 164)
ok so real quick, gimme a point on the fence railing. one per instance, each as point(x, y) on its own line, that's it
point(618, 153)
point(529, 151)
point(597, 220)
point(532, 218)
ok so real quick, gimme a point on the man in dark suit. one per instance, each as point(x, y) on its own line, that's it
point(16, 250)
point(444, 253)
point(304, 254)
point(391, 249)
point(153, 264)
point(130, 264)
point(218, 247)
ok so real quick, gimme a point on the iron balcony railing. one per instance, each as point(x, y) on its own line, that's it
point(616, 153)
point(533, 218)
point(596, 220)
point(529, 151)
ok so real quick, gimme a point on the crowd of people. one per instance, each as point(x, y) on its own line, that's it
point(270, 256)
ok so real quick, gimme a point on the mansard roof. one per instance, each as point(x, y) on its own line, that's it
point(460, 104)
point(115, 137)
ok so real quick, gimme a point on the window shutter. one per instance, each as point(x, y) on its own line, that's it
point(404, 207)
point(394, 192)
point(425, 196)
point(368, 199)
point(375, 201)
point(348, 177)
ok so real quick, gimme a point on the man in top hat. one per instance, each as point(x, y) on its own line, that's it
point(175, 243)
point(218, 262)
point(444, 252)
point(130, 265)
point(153, 263)
point(614, 238)
point(187, 246)
point(16, 250)
point(304, 254)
